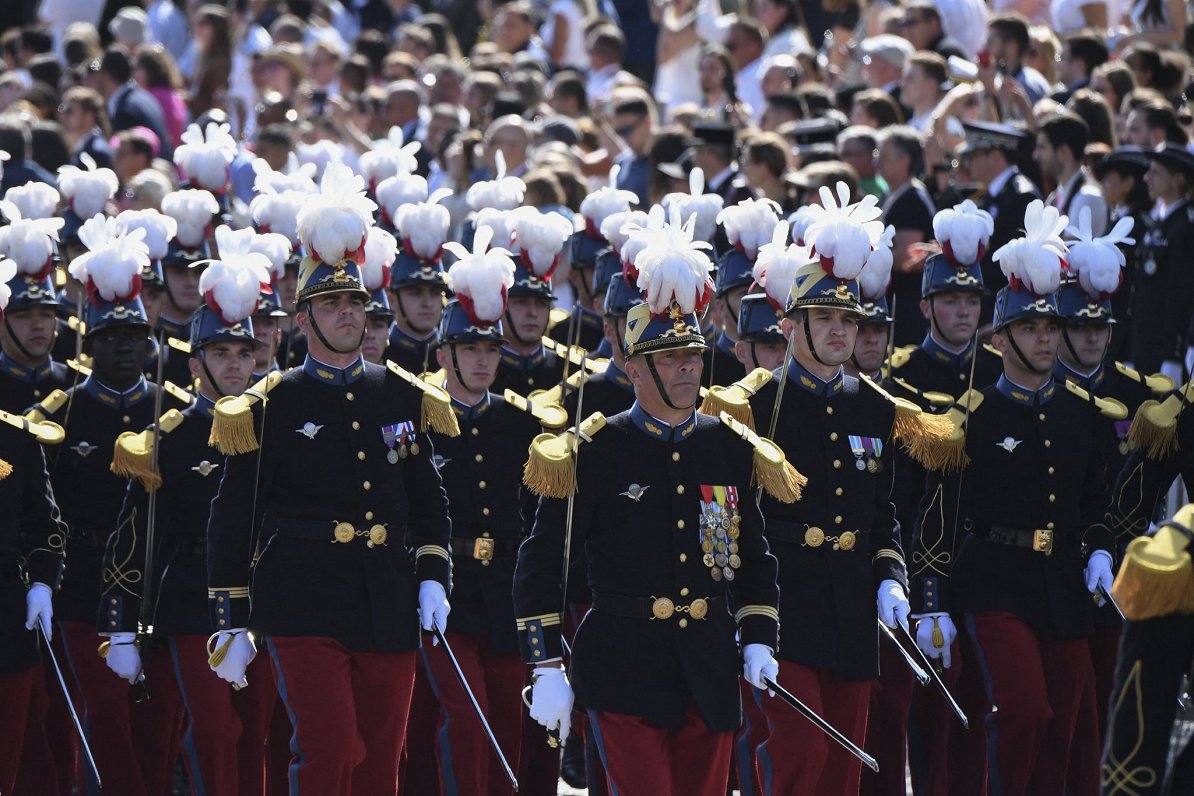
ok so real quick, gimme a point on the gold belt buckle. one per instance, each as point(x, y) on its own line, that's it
point(1042, 541)
point(662, 608)
point(483, 550)
point(378, 535)
point(814, 537)
point(846, 541)
point(344, 532)
point(698, 608)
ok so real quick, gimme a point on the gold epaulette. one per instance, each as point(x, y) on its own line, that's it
point(182, 346)
point(576, 355)
point(80, 366)
point(45, 432)
point(556, 393)
point(178, 393)
point(901, 355)
point(932, 397)
point(436, 378)
point(926, 437)
point(772, 470)
point(550, 415)
point(76, 325)
point(132, 457)
point(990, 349)
point(959, 412)
point(1156, 578)
point(556, 316)
point(51, 404)
point(735, 399)
point(550, 469)
point(1108, 407)
point(436, 407)
point(1158, 383)
point(232, 429)
point(1154, 428)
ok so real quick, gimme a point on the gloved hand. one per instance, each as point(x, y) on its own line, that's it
point(1173, 369)
point(893, 604)
point(124, 658)
point(925, 625)
point(1098, 573)
point(551, 700)
point(433, 606)
point(234, 650)
point(758, 662)
point(39, 608)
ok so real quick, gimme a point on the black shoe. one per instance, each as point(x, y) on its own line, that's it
point(572, 767)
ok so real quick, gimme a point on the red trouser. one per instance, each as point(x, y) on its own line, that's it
point(1086, 757)
point(752, 733)
point(418, 771)
point(15, 691)
point(225, 737)
point(467, 765)
point(797, 758)
point(348, 710)
point(1035, 684)
point(641, 758)
point(887, 725)
point(46, 767)
point(277, 753)
point(159, 721)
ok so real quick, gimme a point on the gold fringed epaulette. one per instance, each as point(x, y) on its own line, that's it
point(550, 415)
point(990, 349)
point(51, 404)
point(772, 470)
point(232, 430)
point(80, 366)
point(931, 397)
point(900, 356)
point(1154, 428)
point(550, 469)
point(132, 456)
point(735, 399)
point(556, 316)
point(436, 407)
point(1158, 383)
point(1156, 578)
point(178, 393)
point(436, 378)
point(179, 345)
point(926, 437)
point(954, 448)
point(1108, 407)
point(575, 355)
point(45, 432)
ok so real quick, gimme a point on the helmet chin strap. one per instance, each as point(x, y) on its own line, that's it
point(1023, 359)
point(513, 328)
point(754, 357)
point(402, 309)
point(456, 368)
point(659, 385)
point(808, 338)
point(21, 346)
point(324, 340)
point(1065, 336)
point(215, 385)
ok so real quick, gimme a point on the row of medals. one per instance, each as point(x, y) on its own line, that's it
point(871, 465)
point(719, 540)
point(401, 452)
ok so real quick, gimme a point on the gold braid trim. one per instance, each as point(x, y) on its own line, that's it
point(1157, 578)
point(735, 399)
point(232, 427)
point(550, 469)
point(436, 408)
point(772, 470)
point(927, 438)
point(756, 610)
point(132, 456)
point(1154, 428)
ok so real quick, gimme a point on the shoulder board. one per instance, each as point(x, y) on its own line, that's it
point(1108, 407)
point(132, 456)
point(550, 469)
point(772, 470)
point(927, 438)
point(76, 324)
point(1154, 428)
point(232, 422)
point(46, 433)
point(735, 399)
point(901, 355)
point(990, 349)
point(182, 346)
point(1155, 577)
point(556, 393)
point(576, 355)
point(933, 398)
point(1159, 383)
point(178, 393)
point(50, 405)
point(436, 406)
point(435, 378)
point(550, 415)
point(557, 316)
point(80, 365)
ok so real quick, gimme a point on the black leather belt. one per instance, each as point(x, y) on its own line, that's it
point(481, 548)
point(1040, 541)
point(807, 535)
point(331, 531)
point(656, 607)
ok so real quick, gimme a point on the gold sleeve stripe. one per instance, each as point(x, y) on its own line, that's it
point(546, 620)
point(889, 554)
point(230, 591)
point(433, 550)
point(756, 610)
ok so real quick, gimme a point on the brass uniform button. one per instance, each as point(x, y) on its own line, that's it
point(683, 623)
point(350, 396)
point(833, 436)
point(675, 456)
point(680, 524)
point(476, 433)
point(684, 592)
point(680, 490)
point(368, 515)
point(829, 410)
point(479, 458)
point(683, 557)
point(485, 512)
point(837, 464)
point(356, 426)
point(838, 491)
point(361, 455)
point(366, 486)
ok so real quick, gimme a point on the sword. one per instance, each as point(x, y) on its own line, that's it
point(71, 705)
point(1106, 595)
point(824, 725)
point(920, 674)
point(493, 744)
point(936, 678)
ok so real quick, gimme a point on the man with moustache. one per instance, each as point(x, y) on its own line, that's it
point(27, 336)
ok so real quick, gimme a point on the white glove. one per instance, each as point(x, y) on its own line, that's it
point(924, 636)
point(1098, 573)
point(234, 651)
point(893, 604)
point(433, 606)
point(551, 700)
point(1173, 369)
point(39, 608)
point(758, 663)
point(124, 658)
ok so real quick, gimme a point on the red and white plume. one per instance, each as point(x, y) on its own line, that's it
point(616, 228)
point(159, 228)
point(276, 248)
point(232, 283)
point(500, 193)
point(842, 234)
point(87, 189)
point(8, 272)
point(1099, 262)
point(321, 154)
point(424, 226)
point(110, 269)
point(1035, 260)
point(34, 199)
point(333, 223)
point(389, 156)
point(638, 235)
point(963, 232)
point(749, 224)
point(875, 277)
point(192, 209)
point(401, 189)
point(296, 177)
point(800, 221)
point(499, 222)
point(675, 268)
point(539, 238)
point(480, 278)
point(605, 202)
point(381, 250)
point(279, 212)
point(776, 266)
point(205, 155)
point(29, 242)
point(705, 206)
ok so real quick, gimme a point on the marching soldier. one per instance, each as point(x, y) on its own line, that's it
point(267, 320)
point(760, 342)
point(192, 210)
point(381, 249)
point(353, 556)
point(30, 328)
point(1020, 562)
point(610, 391)
point(655, 661)
point(418, 302)
point(875, 326)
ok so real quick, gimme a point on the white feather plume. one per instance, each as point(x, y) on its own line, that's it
point(540, 237)
point(277, 249)
point(424, 225)
point(776, 266)
point(704, 206)
point(1099, 262)
point(966, 229)
point(875, 276)
point(381, 250)
point(500, 193)
point(638, 235)
point(111, 267)
point(675, 268)
point(279, 212)
point(800, 221)
point(616, 227)
point(205, 155)
point(8, 272)
point(321, 154)
point(749, 224)
point(159, 228)
point(844, 234)
point(89, 188)
point(1036, 259)
point(606, 201)
point(296, 177)
point(332, 224)
point(28, 242)
point(192, 209)
point(401, 189)
point(34, 199)
point(232, 284)
point(389, 156)
point(499, 222)
point(480, 278)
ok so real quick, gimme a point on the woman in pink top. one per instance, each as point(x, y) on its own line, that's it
point(154, 71)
